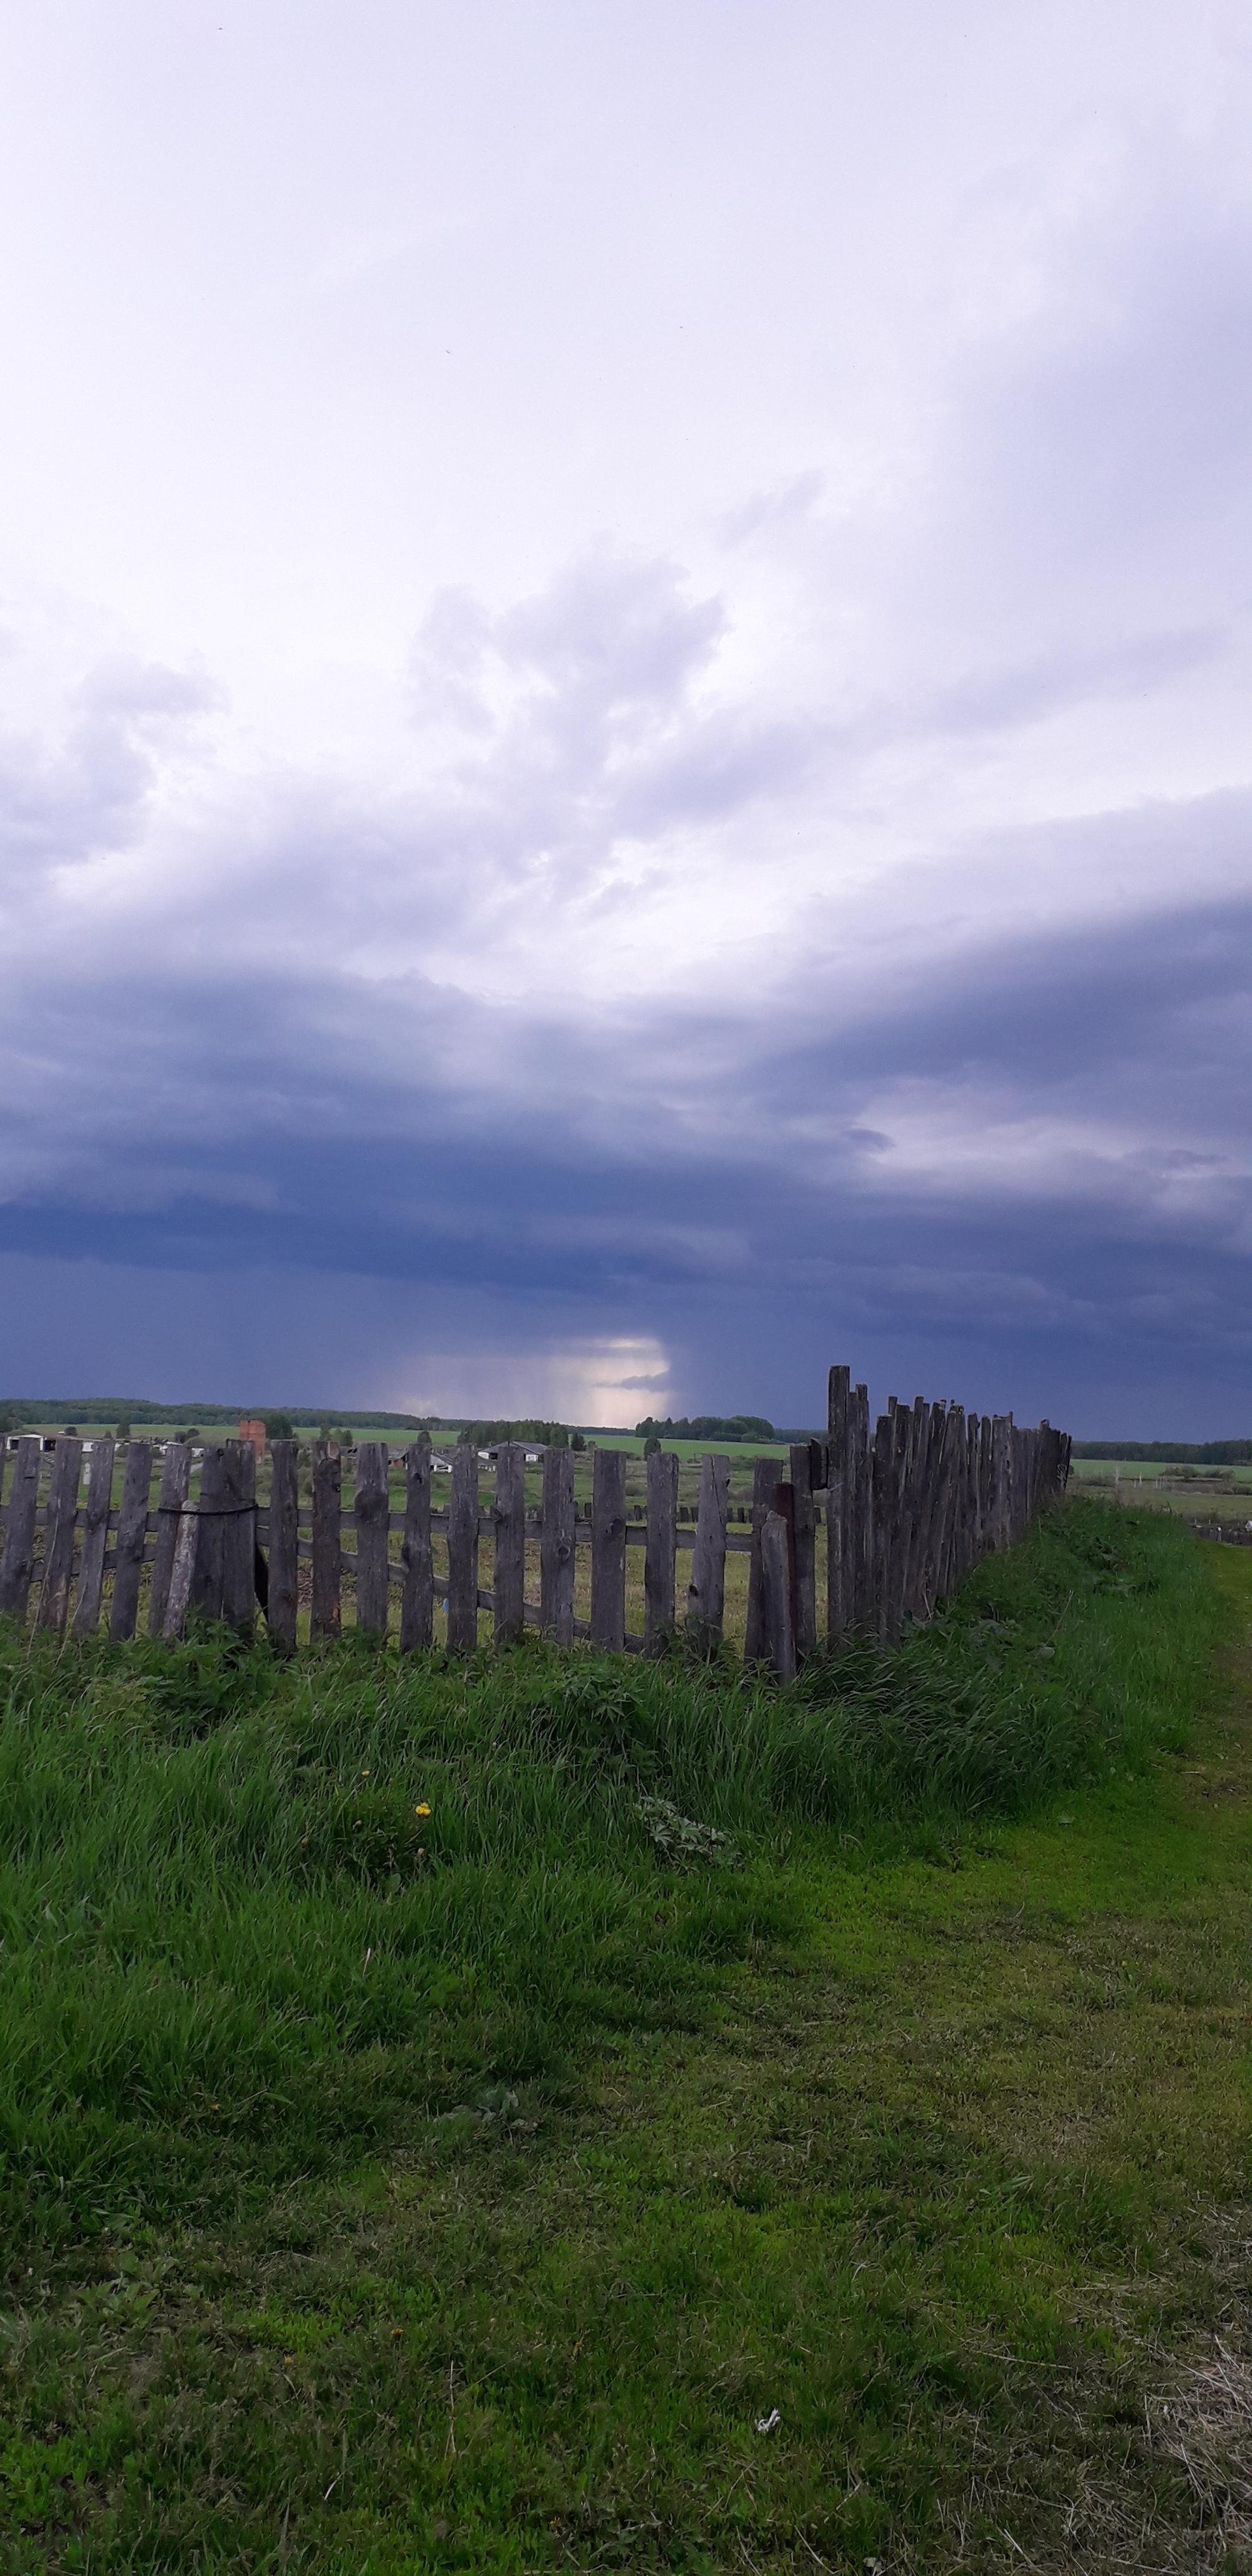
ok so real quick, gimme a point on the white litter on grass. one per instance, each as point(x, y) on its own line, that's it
point(769, 2423)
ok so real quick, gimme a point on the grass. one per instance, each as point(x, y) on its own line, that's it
point(386, 2192)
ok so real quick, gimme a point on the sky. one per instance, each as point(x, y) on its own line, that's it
point(625, 747)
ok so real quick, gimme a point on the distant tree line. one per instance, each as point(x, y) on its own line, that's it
point(1170, 1453)
point(706, 1426)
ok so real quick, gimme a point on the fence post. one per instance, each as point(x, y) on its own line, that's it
point(417, 1591)
point(805, 1536)
point(706, 1591)
point(132, 1532)
point(661, 1553)
point(372, 1515)
point(463, 1551)
point(838, 1505)
point(282, 1606)
point(557, 1542)
point(608, 1549)
point(175, 1482)
point(764, 1479)
point(239, 1537)
point(59, 1524)
point(508, 1582)
point(780, 1642)
point(326, 1615)
point(17, 1566)
point(95, 1540)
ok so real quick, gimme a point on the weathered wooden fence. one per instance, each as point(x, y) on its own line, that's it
point(906, 1511)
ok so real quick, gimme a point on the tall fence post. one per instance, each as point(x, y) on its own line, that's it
point(804, 1527)
point(95, 1540)
point(282, 1603)
point(780, 1642)
point(17, 1565)
point(175, 1487)
point(132, 1533)
point(326, 1612)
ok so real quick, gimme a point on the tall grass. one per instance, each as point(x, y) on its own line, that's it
point(237, 1949)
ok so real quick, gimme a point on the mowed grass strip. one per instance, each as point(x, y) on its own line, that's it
point(390, 2190)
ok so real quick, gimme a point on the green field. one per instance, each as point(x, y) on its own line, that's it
point(539, 2182)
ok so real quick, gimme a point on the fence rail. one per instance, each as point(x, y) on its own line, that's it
point(907, 1509)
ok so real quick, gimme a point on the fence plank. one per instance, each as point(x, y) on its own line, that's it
point(706, 1590)
point(463, 1552)
point(60, 1521)
point(239, 1539)
point(838, 1505)
point(283, 1600)
point(660, 1559)
point(17, 1565)
point(780, 1644)
point(417, 1595)
point(764, 1479)
point(326, 1615)
point(132, 1531)
point(508, 1582)
point(90, 1587)
point(608, 1548)
point(182, 1574)
point(804, 1524)
point(557, 1548)
point(175, 1487)
point(372, 1516)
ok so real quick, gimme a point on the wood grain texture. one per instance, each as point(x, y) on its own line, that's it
point(804, 1525)
point(89, 1591)
point(463, 1552)
point(326, 1614)
point(417, 1589)
point(706, 1588)
point(60, 1523)
point(764, 1479)
point(282, 1605)
point(780, 1644)
point(239, 1539)
point(175, 1487)
point(132, 1532)
point(17, 1564)
point(509, 1579)
point(182, 1576)
point(372, 1516)
point(557, 1544)
point(608, 1548)
point(660, 1559)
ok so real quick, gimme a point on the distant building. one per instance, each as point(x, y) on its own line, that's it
point(254, 1432)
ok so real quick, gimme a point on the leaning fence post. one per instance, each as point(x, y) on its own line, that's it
point(660, 1555)
point(804, 1527)
point(764, 1479)
point(17, 1566)
point(95, 1540)
point(58, 1547)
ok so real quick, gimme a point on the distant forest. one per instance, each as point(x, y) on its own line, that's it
point(1170, 1453)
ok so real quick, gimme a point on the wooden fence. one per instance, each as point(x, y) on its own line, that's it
point(906, 1512)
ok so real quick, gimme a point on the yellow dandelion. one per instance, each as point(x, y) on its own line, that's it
point(421, 1811)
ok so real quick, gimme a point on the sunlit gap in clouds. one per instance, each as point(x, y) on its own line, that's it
point(613, 1383)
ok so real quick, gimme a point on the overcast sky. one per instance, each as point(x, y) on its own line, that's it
point(625, 751)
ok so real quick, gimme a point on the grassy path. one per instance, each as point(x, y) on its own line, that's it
point(914, 2243)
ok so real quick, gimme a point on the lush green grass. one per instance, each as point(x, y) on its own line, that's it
point(390, 2192)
